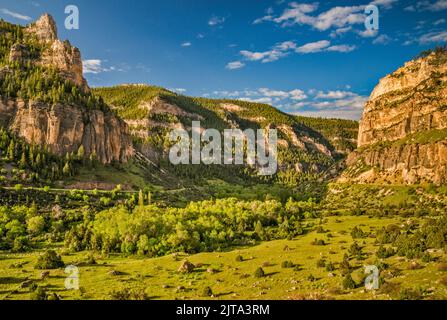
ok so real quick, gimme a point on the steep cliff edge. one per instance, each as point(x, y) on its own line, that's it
point(45, 99)
point(403, 131)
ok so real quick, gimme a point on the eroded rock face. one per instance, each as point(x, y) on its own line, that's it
point(63, 129)
point(58, 54)
point(410, 100)
point(402, 134)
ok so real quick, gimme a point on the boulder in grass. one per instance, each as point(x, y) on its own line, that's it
point(186, 267)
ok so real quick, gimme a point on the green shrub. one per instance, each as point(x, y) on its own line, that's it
point(321, 263)
point(330, 266)
point(207, 292)
point(348, 282)
point(287, 264)
point(259, 273)
point(49, 260)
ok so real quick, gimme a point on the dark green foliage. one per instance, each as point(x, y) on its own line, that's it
point(229, 223)
point(384, 253)
point(49, 260)
point(287, 264)
point(321, 263)
point(259, 273)
point(357, 233)
point(348, 282)
point(330, 266)
point(207, 292)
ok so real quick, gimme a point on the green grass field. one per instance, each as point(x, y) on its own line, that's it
point(158, 278)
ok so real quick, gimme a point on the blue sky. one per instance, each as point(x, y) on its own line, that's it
point(305, 57)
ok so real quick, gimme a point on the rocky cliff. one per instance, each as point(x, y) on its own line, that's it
point(63, 126)
point(59, 54)
point(403, 131)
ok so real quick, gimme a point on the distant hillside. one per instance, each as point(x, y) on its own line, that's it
point(341, 133)
point(151, 112)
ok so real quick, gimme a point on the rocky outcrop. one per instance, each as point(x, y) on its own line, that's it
point(64, 128)
point(57, 54)
point(403, 131)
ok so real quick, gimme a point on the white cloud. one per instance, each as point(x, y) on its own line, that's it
point(338, 17)
point(273, 93)
point(186, 44)
point(341, 48)
point(178, 90)
point(235, 65)
point(433, 37)
point(337, 114)
point(332, 103)
point(385, 3)
point(438, 22)
point(278, 51)
point(368, 33)
point(265, 100)
point(15, 14)
point(324, 45)
point(338, 94)
point(297, 95)
point(215, 20)
point(340, 31)
point(95, 66)
point(313, 47)
point(425, 5)
point(438, 5)
point(382, 39)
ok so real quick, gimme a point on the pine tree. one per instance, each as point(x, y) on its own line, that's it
point(11, 150)
point(67, 169)
point(22, 162)
point(81, 152)
point(141, 198)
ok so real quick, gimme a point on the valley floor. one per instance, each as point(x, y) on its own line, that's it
point(120, 277)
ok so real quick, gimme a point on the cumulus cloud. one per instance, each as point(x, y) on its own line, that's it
point(313, 47)
point(15, 14)
point(278, 51)
point(95, 66)
point(235, 65)
point(297, 94)
point(382, 39)
point(338, 94)
point(426, 5)
point(438, 22)
point(332, 103)
point(433, 37)
point(324, 45)
point(215, 20)
point(178, 90)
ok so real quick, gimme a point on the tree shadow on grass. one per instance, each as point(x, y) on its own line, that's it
point(222, 294)
point(11, 280)
point(269, 274)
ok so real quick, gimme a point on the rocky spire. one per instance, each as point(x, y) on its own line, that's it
point(45, 28)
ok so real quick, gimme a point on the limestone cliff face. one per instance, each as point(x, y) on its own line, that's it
point(58, 54)
point(64, 128)
point(403, 131)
